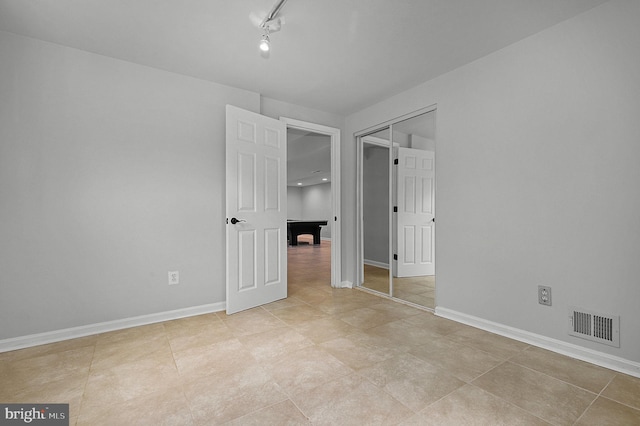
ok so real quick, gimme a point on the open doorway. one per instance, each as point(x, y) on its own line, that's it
point(313, 201)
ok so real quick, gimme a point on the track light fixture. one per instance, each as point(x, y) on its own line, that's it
point(264, 42)
point(269, 24)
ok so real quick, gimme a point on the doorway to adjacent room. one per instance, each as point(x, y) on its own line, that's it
point(313, 199)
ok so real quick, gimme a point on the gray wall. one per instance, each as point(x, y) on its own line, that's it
point(375, 202)
point(294, 202)
point(311, 203)
point(316, 205)
point(111, 174)
point(537, 177)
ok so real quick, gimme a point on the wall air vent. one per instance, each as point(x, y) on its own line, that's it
point(597, 327)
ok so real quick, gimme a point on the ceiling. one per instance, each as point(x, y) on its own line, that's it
point(308, 158)
point(337, 56)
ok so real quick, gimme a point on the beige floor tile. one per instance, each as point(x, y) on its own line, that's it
point(546, 397)
point(298, 314)
point(364, 318)
point(196, 323)
point(350, 400)
point(252, 321)
point(410, 380)
point(493, 344)
point(271, 345)
point(461, 361)
point(435, 324)
point(50, 348)
point(284, 303)
point(404, 333)
point(624, 389)
point(39, 370)
point(337, 305)
point(196, 331)
point(470, 405)
point(426, 299)
point(607, 412)
point(68, 390)
point(357, 352)
point(364, 337)
point(282, 413)
point(200, 336)
point(168, 407)
point(576, 372)
point(306, 369)
point(125, 351)
point(402, 287)
point(324, 329)
point(232, 393)
point(127, 381)
point(133, 334)
point(396, 309)
point(310, 295)
point(365, 296)
point(200, 361)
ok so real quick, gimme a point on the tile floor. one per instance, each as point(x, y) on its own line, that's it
point(418, 290)
point(320, 357)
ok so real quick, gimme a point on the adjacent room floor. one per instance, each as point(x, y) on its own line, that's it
point(323, 357)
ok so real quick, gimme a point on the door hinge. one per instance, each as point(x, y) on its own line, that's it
point(395, 209)
point(395, 162)
point(395, 257)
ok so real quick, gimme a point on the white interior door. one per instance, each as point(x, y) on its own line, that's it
point(256, 174)
point(415, 216)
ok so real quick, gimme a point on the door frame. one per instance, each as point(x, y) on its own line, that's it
point(386, 144)
point(336, 239)
point(358, 136)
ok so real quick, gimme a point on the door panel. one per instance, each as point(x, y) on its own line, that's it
point(415, 213)
point(255, 187)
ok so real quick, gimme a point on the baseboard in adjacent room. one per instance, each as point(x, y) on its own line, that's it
point(22, 342)
point(376, 263)
point(605, 360)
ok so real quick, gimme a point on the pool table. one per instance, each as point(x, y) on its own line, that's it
point(300, 227)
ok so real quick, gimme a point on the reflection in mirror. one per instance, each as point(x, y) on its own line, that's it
point(414, 223)
point(375, 211)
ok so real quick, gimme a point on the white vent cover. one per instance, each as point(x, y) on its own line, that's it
point(594, 326)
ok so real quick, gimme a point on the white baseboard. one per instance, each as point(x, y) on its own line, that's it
point(376, 263)
point(346, 284)
point(612, 362)
point(103, 327)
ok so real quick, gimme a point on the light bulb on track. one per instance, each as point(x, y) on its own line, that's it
point(264, 43)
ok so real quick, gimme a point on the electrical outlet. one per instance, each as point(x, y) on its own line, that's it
point(174, 277)
point(544, 295)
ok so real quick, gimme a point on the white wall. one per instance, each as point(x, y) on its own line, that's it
point(311, 203)
point(111, 174)
point(316, 205)
point(375, 203)
point(276, 109)
point(294, 202)
point(537, 177)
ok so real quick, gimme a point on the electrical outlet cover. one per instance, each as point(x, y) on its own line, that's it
point(544, 295)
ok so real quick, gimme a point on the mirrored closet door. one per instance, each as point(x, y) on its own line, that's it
point(376, 205)
point(398, 209)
